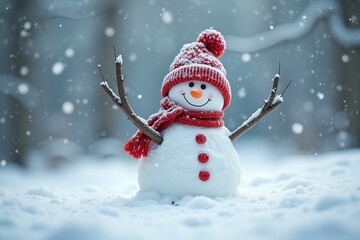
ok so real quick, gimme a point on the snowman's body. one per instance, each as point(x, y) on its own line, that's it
point(174, 169)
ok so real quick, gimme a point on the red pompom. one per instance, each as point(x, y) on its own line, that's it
point(213, 41)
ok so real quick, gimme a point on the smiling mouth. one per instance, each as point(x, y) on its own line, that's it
point(195, 104)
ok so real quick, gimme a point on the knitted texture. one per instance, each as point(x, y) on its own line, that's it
point(199, 61)
point(213, 41)
point(139, 144)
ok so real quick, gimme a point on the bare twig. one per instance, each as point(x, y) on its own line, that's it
point(122, 103)
point(269, 106)
point(282, 93)
point(272, 95)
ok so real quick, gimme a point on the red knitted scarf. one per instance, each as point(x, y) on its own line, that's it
point(138, 145)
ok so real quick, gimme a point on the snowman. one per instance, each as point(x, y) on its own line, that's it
point(184, 148)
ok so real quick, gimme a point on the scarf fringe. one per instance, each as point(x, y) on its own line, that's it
point(138, 146)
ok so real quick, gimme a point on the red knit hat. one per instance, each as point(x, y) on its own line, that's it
point(199, 61)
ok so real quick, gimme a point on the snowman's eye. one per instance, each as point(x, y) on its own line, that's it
point(191, 84)
point(203, 86)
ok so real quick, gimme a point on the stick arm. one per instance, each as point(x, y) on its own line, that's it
point(123, 104)
point(270, 104)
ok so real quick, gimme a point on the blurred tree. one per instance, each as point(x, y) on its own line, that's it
point(349, 88)
point(14, 114)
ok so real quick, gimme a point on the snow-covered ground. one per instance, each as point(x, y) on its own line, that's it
point(296, 197)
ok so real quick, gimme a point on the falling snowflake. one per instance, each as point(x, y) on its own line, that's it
point(242, 92)
point(58, 68)
point(132, 57)
point(69, 52)
point(109, 31)
point(3, 163)
point(24, 71)
point(27, 25)
point(23, 88)
point(297, 128)
point(246, 57)
point(167, 17)
point(68, 107)
point(24, 33)
point(345, 58)
point(320, 95)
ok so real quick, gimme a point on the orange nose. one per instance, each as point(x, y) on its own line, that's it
point(195, 93)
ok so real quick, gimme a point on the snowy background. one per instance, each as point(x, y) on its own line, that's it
point(63, 174)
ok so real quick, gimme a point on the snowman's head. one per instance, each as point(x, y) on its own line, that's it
point(197, 78)
point(197, 96)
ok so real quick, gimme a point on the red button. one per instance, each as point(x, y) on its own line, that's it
point(204, 175)
point(203, 157)
point(200, 138)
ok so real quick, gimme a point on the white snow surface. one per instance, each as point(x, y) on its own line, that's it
point(289, 197)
